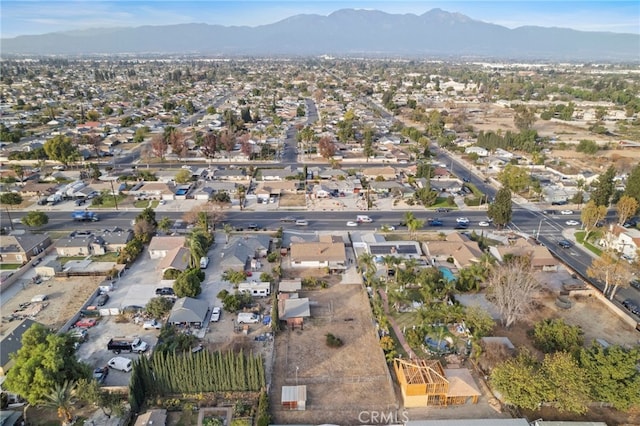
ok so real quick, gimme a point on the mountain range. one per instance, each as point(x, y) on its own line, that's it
point(346, 32)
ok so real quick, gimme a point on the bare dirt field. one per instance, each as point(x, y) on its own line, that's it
point(292, 200)
point(65, 296)
point(340, 381)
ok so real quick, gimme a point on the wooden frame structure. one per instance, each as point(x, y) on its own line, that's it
point(425, 383)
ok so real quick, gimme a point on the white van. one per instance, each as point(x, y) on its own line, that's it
point(364, 218)
point(120, 363)
point(248, 318)
point(204, 262)
point(39, 298)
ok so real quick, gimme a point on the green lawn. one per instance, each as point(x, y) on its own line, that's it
point(9, 266)
point(443, 202)
point(64, 259)
point(108, 257)
point(142, 204)
point(580, 239)
point(109, 201)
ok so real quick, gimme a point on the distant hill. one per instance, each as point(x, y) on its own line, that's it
point(436, 33)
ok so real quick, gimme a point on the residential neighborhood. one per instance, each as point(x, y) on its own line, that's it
point(297, 241)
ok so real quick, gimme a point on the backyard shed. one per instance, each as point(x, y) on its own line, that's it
point(294, 397)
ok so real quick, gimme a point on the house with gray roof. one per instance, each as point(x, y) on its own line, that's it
point(20, 248)
point(188, 311)
point(242, 249)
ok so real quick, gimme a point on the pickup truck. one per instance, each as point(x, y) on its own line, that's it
point(133, 344)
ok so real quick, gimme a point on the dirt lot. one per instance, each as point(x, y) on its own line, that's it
point(340, 381)
point(65, 296)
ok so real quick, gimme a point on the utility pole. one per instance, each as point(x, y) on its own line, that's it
point(9, 216)
point(115, 198)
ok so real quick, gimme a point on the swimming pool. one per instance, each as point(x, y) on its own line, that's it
point(181, 191)
point(446, 273)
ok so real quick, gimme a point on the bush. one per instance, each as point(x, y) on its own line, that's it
point(171, 274)
point(333, 341)
point(272, 257)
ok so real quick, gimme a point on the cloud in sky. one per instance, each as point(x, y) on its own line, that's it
point(20, 17)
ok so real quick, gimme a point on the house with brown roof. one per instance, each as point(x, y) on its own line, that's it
point(541, 257)
point(268, 189)
point(456, 247)
point(20, 248)
point(328, 252)
point(176, 258)
point(160, 246)
point(387, 173)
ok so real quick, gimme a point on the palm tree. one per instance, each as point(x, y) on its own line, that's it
point(165, 224)
point(198, 243)
point(413, 224)
point(241, 195)
point(228, 229)
point(389, 261)
point(62, 398)
point(367, 265)
point(203, 221)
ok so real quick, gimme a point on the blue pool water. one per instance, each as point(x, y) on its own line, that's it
point(181, 191)
point(446, 273)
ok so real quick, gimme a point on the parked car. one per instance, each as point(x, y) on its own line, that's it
point(86, 322)
point(572, 223)
point(252, 227)
point(152, 325)
point(100, 374)
point(443, 210)
point(635, 284)
point(215, 314)
point(120, 363)
point(80, 334)
point(36, 262)
point(165, 291)
point(566, 212)
point(102, 299)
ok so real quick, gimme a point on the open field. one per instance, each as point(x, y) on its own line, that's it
point(340, 381)
point(65, 297)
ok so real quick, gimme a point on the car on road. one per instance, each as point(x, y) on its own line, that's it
point(352, 223)
point(86, 322)
point(152, 325)
point(302, 222)
point(566, 212)
point(462, 225)
point(387, 228)
point(462, 220)
point(36, 262)
point(631, 306)
point(635, 284)
point(434, 222)
point(566, 244)
point(572, 223)
point(288, 219)
point(443, 210)
point(100, 374)
point(215, 314)
point(483, 223)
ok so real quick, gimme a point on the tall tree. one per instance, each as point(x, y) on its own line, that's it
point(632, 187)
point(613, 272)
point(626, 207)
point(61, 148)
point(18, 170)
point(519, 381)
point(45, 360)
point(10, 198)
point(188, 284)
point(612, 374)
point(603, 187)
point(566, 383)
point(198, 244)
point(591, 215)
point(326, 147)
point(159, 146)
point(514, 178)
point(511, 287)
point(413, 223)
point(501, 210)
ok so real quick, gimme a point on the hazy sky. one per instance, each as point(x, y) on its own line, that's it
point(38, 17)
